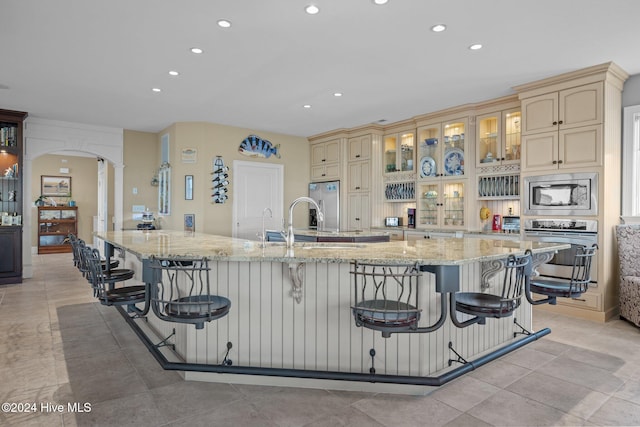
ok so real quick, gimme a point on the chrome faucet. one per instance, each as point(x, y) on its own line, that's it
point(263, 235)
point(288, 237)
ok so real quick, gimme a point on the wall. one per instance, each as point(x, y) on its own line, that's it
point(140, 159)
point(631, 92)
point(209, 140)
point(84, 182)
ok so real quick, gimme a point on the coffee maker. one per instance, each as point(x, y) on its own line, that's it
point(411, 218)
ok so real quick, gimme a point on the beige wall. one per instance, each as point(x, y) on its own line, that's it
point(84, 184)
point(141, 163)
point(211, 140)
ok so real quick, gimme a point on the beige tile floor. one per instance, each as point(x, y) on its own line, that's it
point(58, 346)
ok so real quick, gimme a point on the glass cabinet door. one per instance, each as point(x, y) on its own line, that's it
point(407, 149)
point(454, 149)
point(390, 152)
point(453, 203)
point(429, 204)
point(399, 152)
point(429, 143)
point(488, 147)
point(512, 136)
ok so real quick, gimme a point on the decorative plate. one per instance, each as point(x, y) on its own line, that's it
point(454, 162)
point(427, 167)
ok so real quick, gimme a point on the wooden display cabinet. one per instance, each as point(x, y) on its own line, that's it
point(55, 223)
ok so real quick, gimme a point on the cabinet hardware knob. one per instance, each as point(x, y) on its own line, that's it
point(325, 173)
point(324, 160)
point(357, 188)
point(559, 161)
point(357, 156)
point(357, 219)
point(554, 162)
point(560, 122)
point(502, 158)
point(555, 123)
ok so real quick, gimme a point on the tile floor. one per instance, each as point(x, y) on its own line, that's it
point(58, 346)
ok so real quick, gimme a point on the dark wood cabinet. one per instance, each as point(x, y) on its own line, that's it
point(55, 223)
point(11, 201)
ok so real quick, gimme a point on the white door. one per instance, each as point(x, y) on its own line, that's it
point(103, 192)
point(256, 186)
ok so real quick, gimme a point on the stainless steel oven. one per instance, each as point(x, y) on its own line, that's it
point(561, 194)
point(575, 232)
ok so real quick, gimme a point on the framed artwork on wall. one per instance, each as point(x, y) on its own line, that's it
point(55, 186)
point(189, 222)
point(188, 187)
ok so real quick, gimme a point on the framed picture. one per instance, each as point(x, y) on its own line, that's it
point(188, 187)
point(55, 186)
point(7, 220)
point(189, 222)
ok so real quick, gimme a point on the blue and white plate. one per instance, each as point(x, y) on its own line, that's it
point(454, 162)
point(427, 167)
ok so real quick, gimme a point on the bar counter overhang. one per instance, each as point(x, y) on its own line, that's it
point(291, 321)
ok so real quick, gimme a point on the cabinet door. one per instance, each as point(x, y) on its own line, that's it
point(360, 148)
point(359, 211)
point(539, 113)
point(333, 151)
point(359, 173)
point(318, 154)
point(540, 151)
point(325, 172)
point(10, 255)
point(488, 139)
point(455, 148)
point(581, 106)
point(511, 136)
point(580, 147)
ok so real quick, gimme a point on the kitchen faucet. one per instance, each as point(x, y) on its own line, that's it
point(263, 235)
point(288, 237)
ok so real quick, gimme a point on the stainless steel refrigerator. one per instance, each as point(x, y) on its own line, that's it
point(327, 195)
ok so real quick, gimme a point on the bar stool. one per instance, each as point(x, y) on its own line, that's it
point(103, 283)
point(181, 292)
point(482, 305)
point(574, 288)
point(77, 246)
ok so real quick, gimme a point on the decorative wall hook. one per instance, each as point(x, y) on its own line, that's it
point(220, 180)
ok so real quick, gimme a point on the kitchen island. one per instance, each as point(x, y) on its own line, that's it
point(291, 321)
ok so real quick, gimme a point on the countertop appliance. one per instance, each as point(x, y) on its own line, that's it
point(327, 195)
point(511, 224)
point(393, 221)
point(561, 194)
point(577, 232)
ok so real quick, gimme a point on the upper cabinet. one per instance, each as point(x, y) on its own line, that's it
point(498, 138)
point(399, 152)
point(441, 150)
point(563, 129)
point(325, 160)
point(359, 148)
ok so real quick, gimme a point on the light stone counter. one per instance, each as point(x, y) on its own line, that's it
point(145, 244)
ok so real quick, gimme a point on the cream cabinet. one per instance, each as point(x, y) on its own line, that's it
point(399, 152)
point(563, 130)
point(359, 148)
point(569, 108)
point(498, 138)
point(359, 211)
point(442, 204)
point(325, 160)
point(359, 176)
point(442, 148)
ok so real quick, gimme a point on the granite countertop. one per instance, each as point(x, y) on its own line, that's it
point(316, 233)
point(145, 244)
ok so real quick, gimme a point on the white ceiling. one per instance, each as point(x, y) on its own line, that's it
point(95, 62)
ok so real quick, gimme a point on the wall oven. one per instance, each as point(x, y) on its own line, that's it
point(561, 194)
point(572, 231)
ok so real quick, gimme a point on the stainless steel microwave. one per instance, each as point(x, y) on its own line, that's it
point(561, 194)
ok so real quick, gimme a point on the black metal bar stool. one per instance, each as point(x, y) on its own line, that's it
point(481, 305)
point(103, 283)
point(77, 246)
point(181, 292)
point(574, 288)
point(386, 299)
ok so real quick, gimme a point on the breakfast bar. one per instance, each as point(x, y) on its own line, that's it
point(291, 313)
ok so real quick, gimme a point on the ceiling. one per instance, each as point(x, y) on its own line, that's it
point(96, 62)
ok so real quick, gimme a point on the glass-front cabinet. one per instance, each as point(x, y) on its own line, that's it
point(441, 149)
point(441, 204)
point(399, 152)
point(498, 138)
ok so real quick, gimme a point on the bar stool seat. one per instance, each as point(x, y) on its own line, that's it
point(475, 303)
point(390, 314)
point(198, 306)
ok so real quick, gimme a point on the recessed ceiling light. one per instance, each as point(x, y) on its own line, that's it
point(306, 106)
point(438, 28)
point(156, 89)
point(196, 50)
point(312, 9)
point(475, 46)
point(380, 1)
point(337, 94)
point(173, 73)
point(224, 23)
